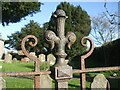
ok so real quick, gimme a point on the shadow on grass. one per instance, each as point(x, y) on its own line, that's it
point(75, 86)
point(114, 84)
point(24, 77)
point(29, 67)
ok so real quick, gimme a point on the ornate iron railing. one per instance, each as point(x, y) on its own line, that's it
point(61, 71)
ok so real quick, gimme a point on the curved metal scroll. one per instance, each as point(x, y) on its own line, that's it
point(71, 39)
point(83, 76)
point(85, 44)
point(51, 37)
point(23, 46)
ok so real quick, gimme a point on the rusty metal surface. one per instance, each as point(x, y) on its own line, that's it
point(23, 46)
point(97, 69)
point(83, 57)
point(85, 44)
point(35, 59)
point(64, 72)
point(59, 39)
point(6, 74)
point(61, 70)
point(37, 77)
point(37, 82)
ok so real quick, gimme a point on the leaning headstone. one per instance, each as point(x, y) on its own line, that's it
point(66, 61)
point(100, 83)
point(41, 58)
point(25, 60)
point(2, 84)
point(51, 59)
point(1, 46)
point(15, 60)
point(45, 81)
point(33, 54)
point(2, 81)
point(20, 52)
point(8, 58)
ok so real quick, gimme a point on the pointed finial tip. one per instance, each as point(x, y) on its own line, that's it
point(60, 13)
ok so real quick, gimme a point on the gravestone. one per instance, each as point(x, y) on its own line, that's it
point(20, 52)
point(51, 59)
point(33, 54)
point(2, 81)
point(25, 60)
point(41, 58)
point(66, 61)
point(8, 58)
point(15, 60)
point(100, 83)
point(2, 84)
point(1, 46)
point(45, 81)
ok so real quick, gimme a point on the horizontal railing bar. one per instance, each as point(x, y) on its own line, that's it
point(6, 74)
point(97, 69)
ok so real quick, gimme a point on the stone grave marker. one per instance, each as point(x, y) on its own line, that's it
point(20, 52)
point(25, 60)
point(51, 59)
point(45, 81)
point(1, 46)
point(2, 81)
point(15, 60)
point(8, 58)
point(33, 54)
point(66, 61)
point(41, 58)
point(100, 83)
point(2, 84)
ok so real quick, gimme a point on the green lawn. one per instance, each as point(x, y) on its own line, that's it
point(12, 82)
point(18, 82)
point(17, 67)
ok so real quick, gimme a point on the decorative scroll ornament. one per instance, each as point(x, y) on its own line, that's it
point(83, 57)
point(51, 37)
point(23, 46)
point(71, 38)
point(85, 44)
point(60, 13)
point(60, 40)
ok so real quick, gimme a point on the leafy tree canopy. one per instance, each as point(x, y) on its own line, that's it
point(13, 12)
point(31, 28)
point(78, 19)
point(78, 22)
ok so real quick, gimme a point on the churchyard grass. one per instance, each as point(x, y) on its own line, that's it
point(76, 84)
point(17, 67)
point(18, 82)
point(24, 82)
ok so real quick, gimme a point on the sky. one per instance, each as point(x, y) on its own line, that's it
point(92, 8)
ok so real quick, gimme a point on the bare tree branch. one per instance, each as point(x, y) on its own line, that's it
point(102, 30)
point(112, 16)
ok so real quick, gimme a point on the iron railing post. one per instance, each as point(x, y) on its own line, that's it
point(61, 70)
